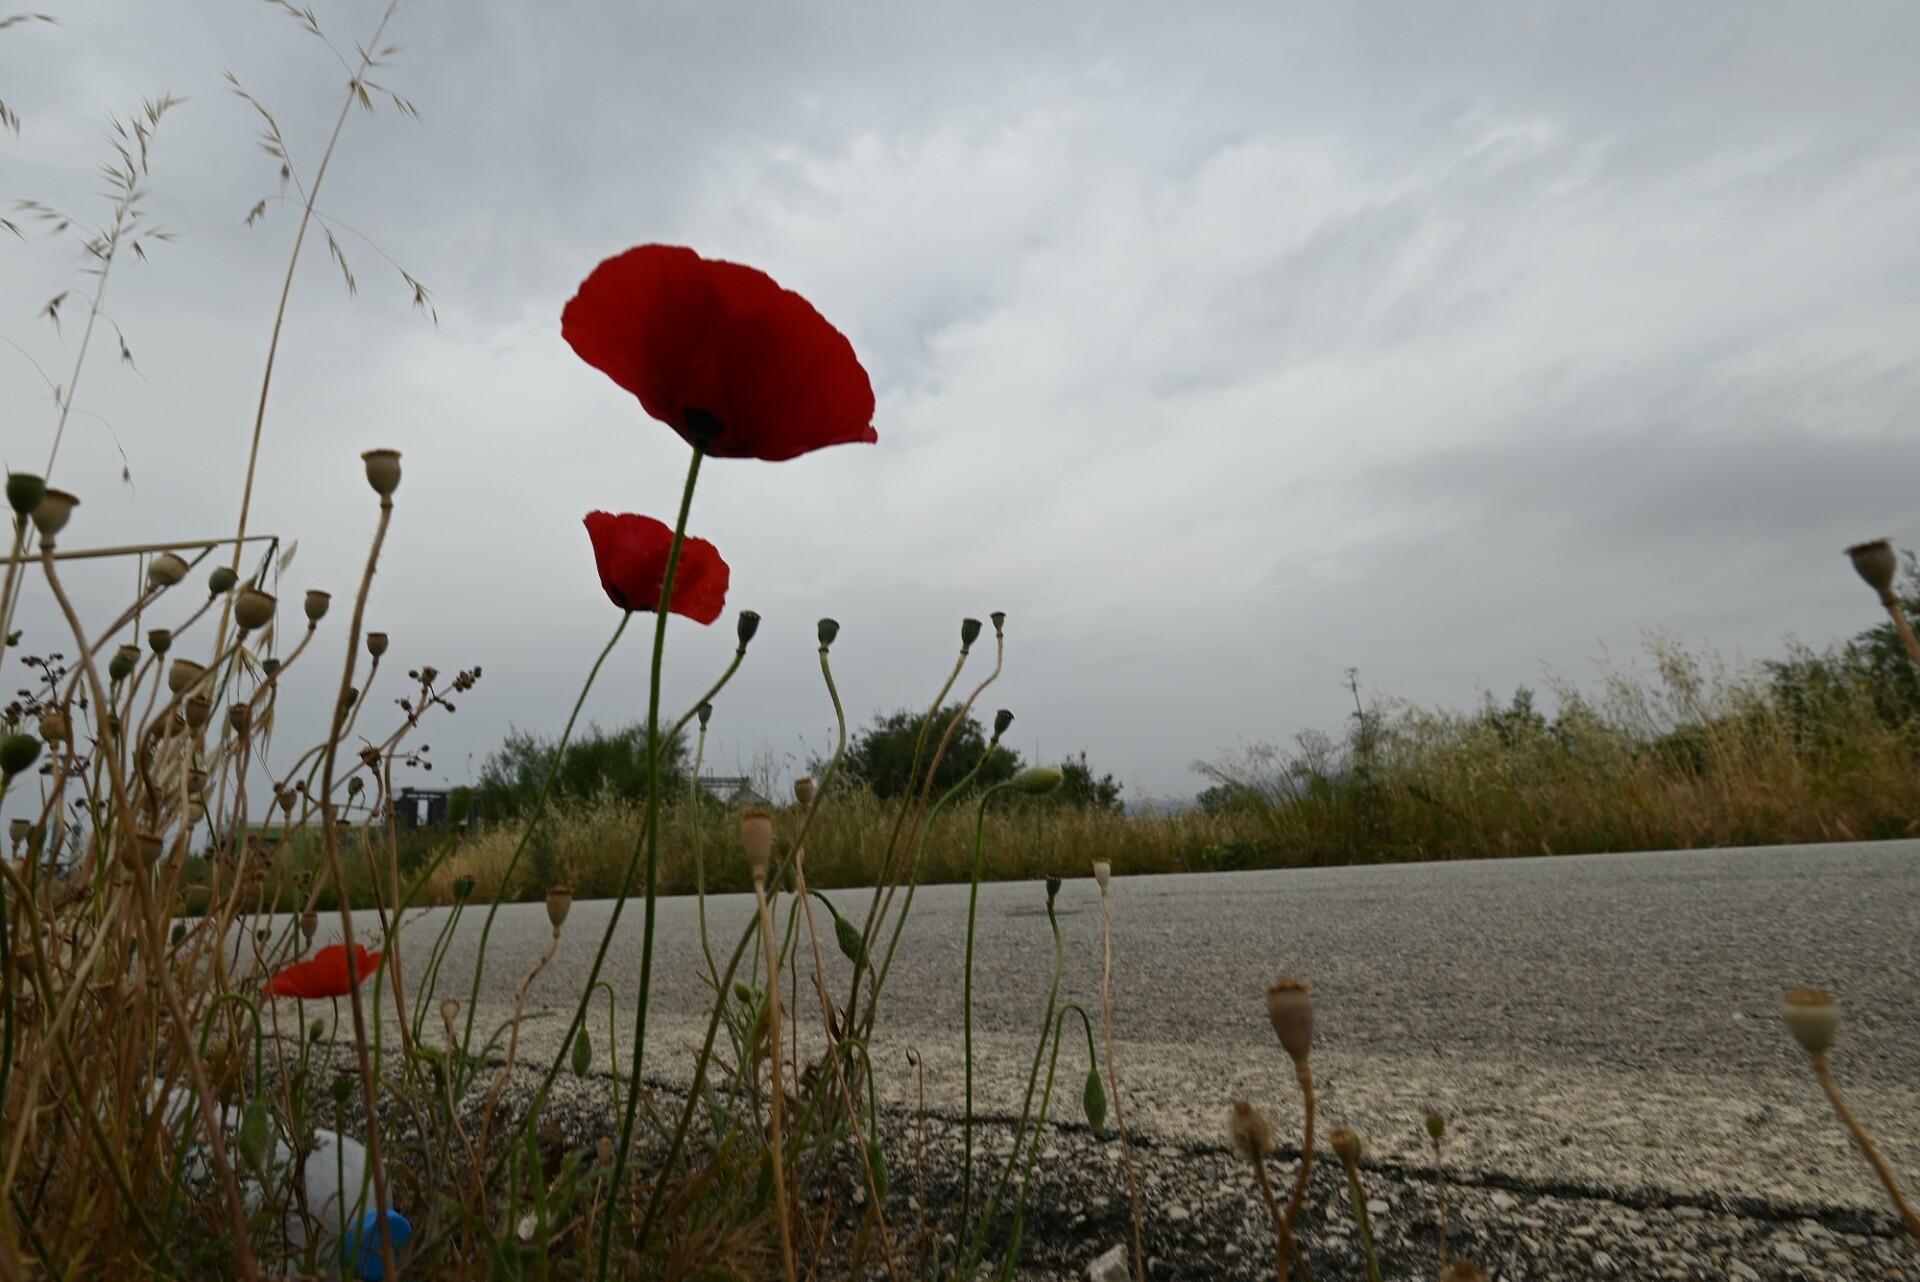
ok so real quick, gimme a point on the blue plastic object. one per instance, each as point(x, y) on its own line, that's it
point(361, 1250)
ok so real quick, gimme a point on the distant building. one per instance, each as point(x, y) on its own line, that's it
point(416, 808)
point(732, 790)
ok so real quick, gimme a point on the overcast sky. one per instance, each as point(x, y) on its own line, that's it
point(1224, 347)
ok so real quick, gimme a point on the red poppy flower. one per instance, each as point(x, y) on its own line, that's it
point(331, 972)
point(631, 552)
point(721, 354)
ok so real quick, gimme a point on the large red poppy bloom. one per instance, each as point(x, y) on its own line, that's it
point(721, 354)
point(331, 972)
point(631, 552)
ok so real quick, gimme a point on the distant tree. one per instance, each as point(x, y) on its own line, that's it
point(597, 761)
point(881, 755)
point(1080, 790)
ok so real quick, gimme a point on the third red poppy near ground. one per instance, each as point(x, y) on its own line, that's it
point(721, 353)
point(631, 552)
point(331, 972)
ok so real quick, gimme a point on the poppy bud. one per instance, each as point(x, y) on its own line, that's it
point(376, 644)
point(969, 633)
point(803, 790)
point(239, 717)
point(748, 625)
point(1290, 1010)
point(462, 886)
point(1813, 1017)
point(582, 1054)
point(316, 1030)
point(50, 514)
point(254, 1133)
point(177, 934)
point(383, 471)
point(309, 926)
point(351, 697)
point(1102, 872)
point(1347, 1146)
point(184, 674)
point(1877, 563)
point(160, 640)
point(55, 728)
point(198, 710)
point(342, 1088)
point(147, 848)
point(222, 579)
point(1248, 1132)
point(24, 492)
point(705, 713)
point(1001, 720)
point(828, 630)
point(17, 753)
point(120, 666)
point(166, 570)
point(1436, 1126)
point(1037, 781)
point(253, 609)
point(1093, 1100)
point(356, 786)
point(999, 618)
point(559, 904)
point(756, 834)
point(459, 802)
point(316, 604)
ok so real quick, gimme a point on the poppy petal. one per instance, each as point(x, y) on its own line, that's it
point(630, 552)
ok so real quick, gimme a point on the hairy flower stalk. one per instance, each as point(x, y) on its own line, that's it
point(1290, 1009)
point(1102, 873)
point(1347, 1147)
point(1250, 1135)
point(756, 836)
point(1436, 1131)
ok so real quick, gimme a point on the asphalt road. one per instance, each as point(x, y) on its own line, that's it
point(1593, 1023)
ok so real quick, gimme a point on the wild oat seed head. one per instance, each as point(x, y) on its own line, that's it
point(51, 513)
point(1102, 873)
point(166, 570)
point(1877, 563)
point(803, 790)
point(383, 471)
point(1813, 1017)
point(376, 644)
point(1346, 1145)
point(222, 579)
point(559, 904)
point(253, 609)
point(184, 674)
point(756, 834)
point(1290, 1009)
point(316, 604)
point(1248, 1132)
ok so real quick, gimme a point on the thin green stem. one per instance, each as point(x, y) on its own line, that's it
point(973, 904)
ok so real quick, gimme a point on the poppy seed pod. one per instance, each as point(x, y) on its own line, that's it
point(166, 570)
point(269, 666)
point(1346, 1145)
point(1001, 720)
point(147, 847)
point(160, 640)
point(756, 834)
point(999, 618)
point(184, 674)
point(376, 644)
point(370, 757)
point(1248, 1132)
point(462, 886)
point(17, 754)
point(969, 633)
point(24, 492)
point(19, 829)
point(559, 904)
point(120, 666)
point(449, 1010)
point(309, 926)
point(198, 709)
point(1053, 888)
point(1436, 1126)
point(253, 609)
point(1037, 781)
point(1813, 1017)
point(1877, 563)
point(828, 630)
point(51, 513)
point(196, 782)
point(287, 798)
point(316, 604)
point(1102, 873)
point(383, 471)
point(705, 713)
point(55, 728)
point(803, 790)
point(221, 580)
point(748, 625)
point(239, 717)
point(1290, 1009)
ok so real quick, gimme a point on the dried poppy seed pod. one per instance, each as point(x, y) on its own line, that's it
point(17, 754)
point(376, 644)
point(287, 798)
point(196, 782)
point(748, 625)
point(1290, 1008)
point(756, 835)
point(1248, 1132)
point(24, 492)
point(19, 829)
point(370, 757)
point(147, 848)
point(51, 513)
point(1877, 563)
point(1459, 1270)
point(253, 609)
point(184, 674)
point(316, 604)
point(559, 904)
point(999, 618)
point(1001, 721)
point(166, 570)
point(221, 580)
point(1037, 781)
point(309, 926)
point(828, 630)
point(969, 633)
point(1346, 1145)
point(1103, 873)
point(239, 717)
point(383, 471)
point(121, 665)
point(199, 710)
point(449, 1010)
point(160, 640)
point(803, 790)
point(55, 728)
point(1813, 1017)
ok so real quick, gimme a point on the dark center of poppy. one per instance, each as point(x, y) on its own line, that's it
point(702, 426)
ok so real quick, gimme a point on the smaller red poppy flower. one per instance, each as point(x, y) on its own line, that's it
point(631, 552)
point(740, 367)
point(331, 972)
